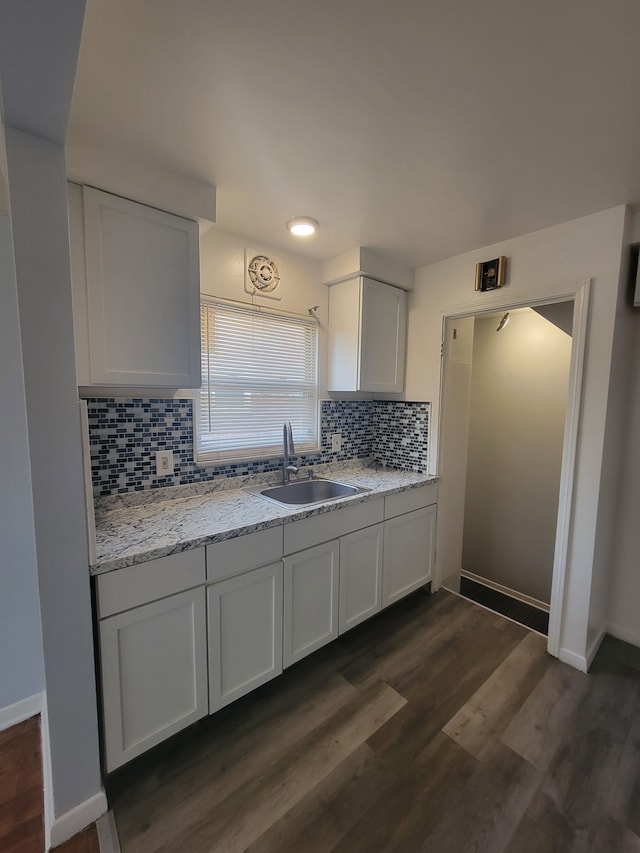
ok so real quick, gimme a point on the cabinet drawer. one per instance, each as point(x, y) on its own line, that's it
point(126, 588)
point(232, 556)
point(411, 499)
point(331, 525)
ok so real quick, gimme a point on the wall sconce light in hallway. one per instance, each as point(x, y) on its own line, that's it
point(503, 322)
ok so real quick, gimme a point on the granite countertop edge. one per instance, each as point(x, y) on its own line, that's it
point(129, 532)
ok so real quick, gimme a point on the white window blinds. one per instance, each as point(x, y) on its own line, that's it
point(258, 370)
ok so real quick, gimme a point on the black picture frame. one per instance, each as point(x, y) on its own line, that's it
point(491, 274)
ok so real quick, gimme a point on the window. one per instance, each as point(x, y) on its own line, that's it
point(258, 370)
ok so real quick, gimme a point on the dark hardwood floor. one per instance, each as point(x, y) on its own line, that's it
point(520, 611)
point(83, 842)
point(437, 726)
point(21, 802)
point(21, 795)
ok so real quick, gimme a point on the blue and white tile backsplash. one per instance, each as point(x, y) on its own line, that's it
point(400, 432)
point(124, 435)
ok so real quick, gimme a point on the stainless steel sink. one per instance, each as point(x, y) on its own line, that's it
point(303, 492)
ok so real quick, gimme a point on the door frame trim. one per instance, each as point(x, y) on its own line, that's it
point(578, 293)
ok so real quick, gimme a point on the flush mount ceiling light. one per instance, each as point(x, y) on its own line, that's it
point(302, 226)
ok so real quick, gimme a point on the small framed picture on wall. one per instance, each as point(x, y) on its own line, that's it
point(491, 274)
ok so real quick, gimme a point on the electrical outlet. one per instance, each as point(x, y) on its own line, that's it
point(336, 442)
point(164, 463)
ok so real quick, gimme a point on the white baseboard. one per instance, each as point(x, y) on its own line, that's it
point(583, 662)
point(624, 634)
point(47, 775)
point(108, 840)
point(78, 818)
point(495, 613)
point(512, 593)
point(11, 715)
point(574, 660)
point(592, 651)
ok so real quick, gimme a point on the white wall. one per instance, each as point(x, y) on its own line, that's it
point(37, 187)
point(623, 579)
point(222, 261)
point(613, 461)
point(624, 603)
point(455, 425)
point(38, 56)
point(21, 660)
point(545, 263)
point(520, 377)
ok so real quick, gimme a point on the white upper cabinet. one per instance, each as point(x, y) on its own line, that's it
point(142, 294)
point(367, 336)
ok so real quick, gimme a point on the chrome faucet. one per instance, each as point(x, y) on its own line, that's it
point(288, 451)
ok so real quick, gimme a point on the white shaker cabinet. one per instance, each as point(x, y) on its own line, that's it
point(311, 585)
point(153, 652)
point(154, 673)
point(408, 553)
point(360, 576)
point(245, 633)
point(142, 293)
point(367, 336)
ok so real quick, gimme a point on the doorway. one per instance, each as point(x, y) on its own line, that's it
point(490, 515)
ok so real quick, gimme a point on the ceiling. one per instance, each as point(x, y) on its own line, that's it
point(419, 129)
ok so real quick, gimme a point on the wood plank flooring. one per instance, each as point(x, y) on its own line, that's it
point(437, 726)
point(83, 842)
point(21, 801)
point(21, 795)
point(520, 611)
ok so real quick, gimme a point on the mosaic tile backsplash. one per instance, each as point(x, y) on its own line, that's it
point(124, 435)
point(400, 432)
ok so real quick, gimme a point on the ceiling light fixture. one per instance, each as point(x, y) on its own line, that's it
point(503, 322)
point(302, 226)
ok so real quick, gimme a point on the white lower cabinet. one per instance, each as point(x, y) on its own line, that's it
point(173, 648)
point(360, 576)
point(310, 600)
point(408, 553)
point(154, 673)
point(245, 633)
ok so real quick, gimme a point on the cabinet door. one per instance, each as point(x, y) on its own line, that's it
point(343, 335)
point(360, 576)
point(383, 337)
point(245, 633)
point(143, 294)
point(154, 673)
point(310, 600)
point(408, 553)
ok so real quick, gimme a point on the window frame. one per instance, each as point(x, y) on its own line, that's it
point(226, 456)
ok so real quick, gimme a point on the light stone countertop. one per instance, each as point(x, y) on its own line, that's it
point(140, 526)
